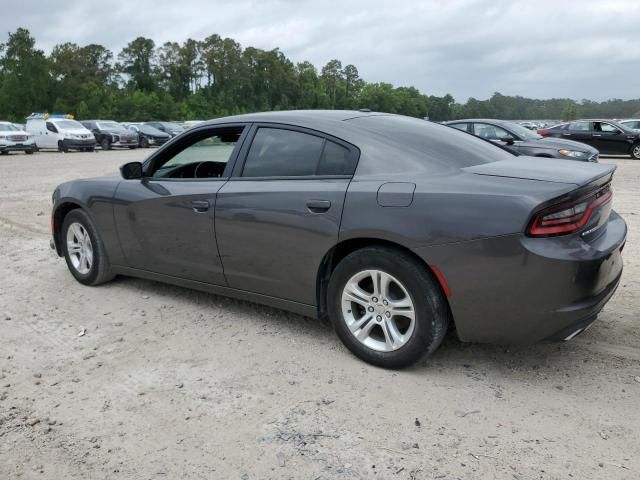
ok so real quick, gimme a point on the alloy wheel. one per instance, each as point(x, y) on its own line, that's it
point(378, 310)
point(79, 248)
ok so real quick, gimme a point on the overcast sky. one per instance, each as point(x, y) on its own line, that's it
point(469, 48)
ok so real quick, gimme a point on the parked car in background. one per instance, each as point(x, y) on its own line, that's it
point(148, 136)
point(59, 132)
point(452, 230)
point(171, 128)
point(191, 123)
point(632, 123)
point(523, 141)
point(111, 134)
point(609, 137)
point(15, 139)
point(529, 125)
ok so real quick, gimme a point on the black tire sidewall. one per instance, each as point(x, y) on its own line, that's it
point(432, 313)
point(634, 146)
point(81, 217)
point(105, 144)
point(144, 143)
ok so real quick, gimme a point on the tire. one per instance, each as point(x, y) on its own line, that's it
point(132, 147)
point(77, 225)
point(408, 279)
point(4, 152)
point(144, 143)
point(635, 151)
point(62, 148)
point(29, 152)
point(105, 144)
point(91, 149)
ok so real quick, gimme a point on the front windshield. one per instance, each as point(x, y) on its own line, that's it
point(69, 125)
point(622, 127)
point(523, 132)
point(7, 127)
point(110, 126)
point(149, 130)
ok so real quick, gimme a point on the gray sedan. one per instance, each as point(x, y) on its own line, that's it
point(523, 141)
point(391, 228)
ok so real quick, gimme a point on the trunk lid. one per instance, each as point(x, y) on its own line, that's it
point(546, 170)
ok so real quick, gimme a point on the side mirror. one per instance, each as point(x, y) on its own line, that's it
point(508, 140)
point(616, 132)
point(131, 170)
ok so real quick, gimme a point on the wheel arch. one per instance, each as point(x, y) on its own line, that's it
point(57, 219)
point(345, 247)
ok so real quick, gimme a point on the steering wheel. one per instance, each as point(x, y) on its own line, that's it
point(207, 170)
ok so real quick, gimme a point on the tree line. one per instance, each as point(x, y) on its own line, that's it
point(202, 79)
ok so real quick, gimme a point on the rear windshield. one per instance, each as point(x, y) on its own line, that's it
point(439, 142)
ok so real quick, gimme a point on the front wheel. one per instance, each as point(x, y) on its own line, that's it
point(386, 307)
point(61, 147)
point(105, 144)
point(635, 151)
point(83, 249)
point(144, 143)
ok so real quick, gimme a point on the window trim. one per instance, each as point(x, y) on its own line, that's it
point(475, 124)
point(244, 151)
point(187, 137)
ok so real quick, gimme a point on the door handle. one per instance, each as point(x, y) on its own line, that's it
point(566, 134)
point(200, 206)
point(318, 206)
point(597, 134)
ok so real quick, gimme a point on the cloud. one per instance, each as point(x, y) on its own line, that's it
point(469, 48)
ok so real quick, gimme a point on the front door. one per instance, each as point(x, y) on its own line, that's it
point(165, 221)
point(280, 213)
point(609, 139)
point(579, 131)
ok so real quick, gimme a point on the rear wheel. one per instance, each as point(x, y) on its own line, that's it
point(386, 307)
point(635, 151)
point(83, 249)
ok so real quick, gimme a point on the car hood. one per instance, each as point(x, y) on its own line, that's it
point(561, 143)
point(544, 169)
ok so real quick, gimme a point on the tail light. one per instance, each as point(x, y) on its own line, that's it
point(568, 217)
point(544, 132)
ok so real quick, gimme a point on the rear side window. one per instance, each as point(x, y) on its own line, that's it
point(460, 126)
point(580, 127)
point(277, 152)
point(336, 160)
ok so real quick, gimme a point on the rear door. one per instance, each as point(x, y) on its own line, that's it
point(580, 131)
point(165, 221)
point(280, 212)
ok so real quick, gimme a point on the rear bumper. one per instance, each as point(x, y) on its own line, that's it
point(515, 289)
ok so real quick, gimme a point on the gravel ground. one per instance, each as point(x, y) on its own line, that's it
point(172, 383)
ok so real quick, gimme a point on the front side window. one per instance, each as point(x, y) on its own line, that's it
point(51, 127)
point(604, 127)
point(490, 132)
point(283, 153)
point(203, 156)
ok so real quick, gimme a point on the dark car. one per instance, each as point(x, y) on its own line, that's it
point(149, 136)
point(171, 128)
point(389, 227)
point(524, 141)
point(111, 134)
point(609, 137)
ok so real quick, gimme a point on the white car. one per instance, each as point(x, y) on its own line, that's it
point(14, 139)
point(633, 123)
point(59, 132)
